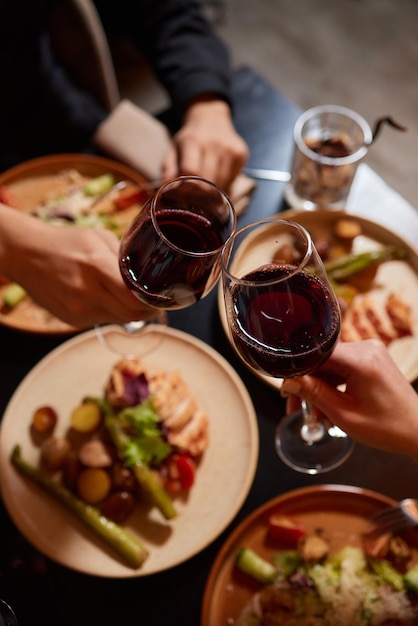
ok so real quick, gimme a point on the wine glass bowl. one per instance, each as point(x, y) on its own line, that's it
point(170, 256)
point(284, 321)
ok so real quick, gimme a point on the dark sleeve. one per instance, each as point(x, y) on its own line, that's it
point(186, 54)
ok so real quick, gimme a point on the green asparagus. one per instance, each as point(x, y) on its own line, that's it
point(145, 477)
point(125, 544)
point(345, 266)
point(99, 185)
point(251, 563)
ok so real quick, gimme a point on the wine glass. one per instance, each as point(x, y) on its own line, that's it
point(284, 321)
point(170, 255)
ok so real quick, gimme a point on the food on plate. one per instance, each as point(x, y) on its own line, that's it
point(364, 319)
point(126, 544)
point(285, 528)
point(368, 311)
point(99, 201)
point(44, 419)
point(307, 584)
point(13, 295)
point(71, 198)
point(184, 422)
point(86, 417)
point(54, 453)
point(139, 445)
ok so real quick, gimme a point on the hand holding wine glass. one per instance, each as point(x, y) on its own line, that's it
point(284, 321)
point(170, 255)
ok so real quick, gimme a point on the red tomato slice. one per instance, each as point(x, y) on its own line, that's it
point(285, 528)
point(186, 469)
point(181, 472)
point(128, 197)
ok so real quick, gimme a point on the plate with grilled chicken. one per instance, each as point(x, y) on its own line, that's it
point(375, 276)
point(113, 466)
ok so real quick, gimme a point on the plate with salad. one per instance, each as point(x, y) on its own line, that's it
point(113, 467)
point(82, 190)
point(374, 274)
point(307, 557)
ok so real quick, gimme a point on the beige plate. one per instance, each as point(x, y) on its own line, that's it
point(342, 511)
point(394, 276)
point(80, 367)
point(29, 183)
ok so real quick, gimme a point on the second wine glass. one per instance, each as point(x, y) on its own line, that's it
point(284, 321)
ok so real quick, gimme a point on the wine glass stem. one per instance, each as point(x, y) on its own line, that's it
point(312, 430)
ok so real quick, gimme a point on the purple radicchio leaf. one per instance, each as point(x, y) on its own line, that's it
point(136, 389)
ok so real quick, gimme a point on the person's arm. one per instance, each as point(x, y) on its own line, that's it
point(193, 65)
point(72, 272)
point(378, 406)
point(187, 56)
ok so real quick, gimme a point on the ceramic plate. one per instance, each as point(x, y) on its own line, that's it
point(80, 367)
point(28, 183)
point(341, 510)
point(400, 277)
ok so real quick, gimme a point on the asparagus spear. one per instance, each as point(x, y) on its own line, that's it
point(345, 266)
point(255, 566)
point(145, 477)
point(125, 544)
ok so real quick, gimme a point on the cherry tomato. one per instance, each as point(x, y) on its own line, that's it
point(181, 471)
point(186, 469)
point(286, 529)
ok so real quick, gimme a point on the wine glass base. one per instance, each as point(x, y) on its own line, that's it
point(313, 457)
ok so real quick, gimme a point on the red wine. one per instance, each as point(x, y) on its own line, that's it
point(164, 275)
point(287, 328)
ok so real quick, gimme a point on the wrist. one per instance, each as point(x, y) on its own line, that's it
point(206, 104)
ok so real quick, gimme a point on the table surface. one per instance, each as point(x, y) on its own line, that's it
point(44, 592)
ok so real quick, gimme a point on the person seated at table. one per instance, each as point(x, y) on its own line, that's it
point(48, 106)
point(42, 111)
point(378, 407)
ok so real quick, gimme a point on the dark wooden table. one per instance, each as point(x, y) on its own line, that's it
point(43, 592)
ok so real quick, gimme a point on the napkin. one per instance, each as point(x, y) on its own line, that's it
point(133, 136)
